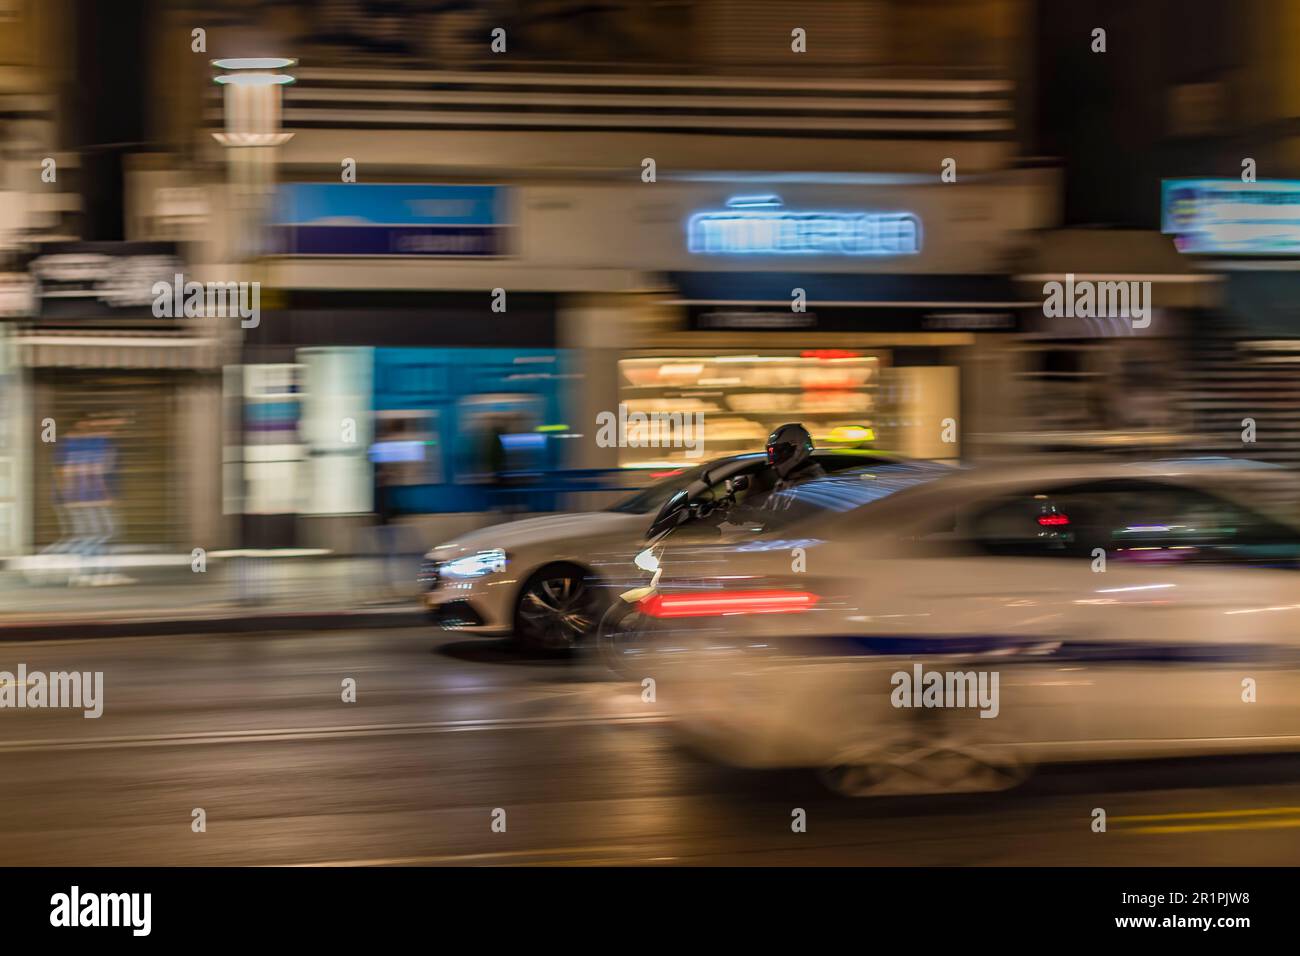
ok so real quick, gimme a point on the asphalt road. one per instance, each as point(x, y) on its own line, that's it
point(445, 730)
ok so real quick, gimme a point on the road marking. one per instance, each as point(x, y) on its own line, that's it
point(636, 851)
point(319, 733)
point(1285, 818)
point(1285, 823)
point(1249, 812)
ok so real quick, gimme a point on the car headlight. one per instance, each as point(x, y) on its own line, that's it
point(475, 565)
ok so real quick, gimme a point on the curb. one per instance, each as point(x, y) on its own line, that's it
point(85, 628)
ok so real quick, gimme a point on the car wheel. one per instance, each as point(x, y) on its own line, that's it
point(950, 761)
point(620, 636)
point(557, 609)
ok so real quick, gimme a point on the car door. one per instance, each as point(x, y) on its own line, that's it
point(1119, 609)
point(1206, 593)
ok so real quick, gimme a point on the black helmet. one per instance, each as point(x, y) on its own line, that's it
point(788, 447)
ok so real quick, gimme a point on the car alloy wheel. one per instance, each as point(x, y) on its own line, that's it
point(557, 609)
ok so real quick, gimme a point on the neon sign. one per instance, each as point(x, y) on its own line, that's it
point(754, 225)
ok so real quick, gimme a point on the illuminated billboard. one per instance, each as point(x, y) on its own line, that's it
point(390, 219)
point(1228, 216)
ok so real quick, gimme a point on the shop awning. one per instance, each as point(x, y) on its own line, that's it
point(156, 350)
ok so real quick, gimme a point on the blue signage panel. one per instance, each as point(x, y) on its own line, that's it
point(757, 225)
point(1227, 216)
point(388, 219)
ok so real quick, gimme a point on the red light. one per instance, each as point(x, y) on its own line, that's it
point(1054, 520)
point(717, 603)
point(666, 474)
point(826, 355)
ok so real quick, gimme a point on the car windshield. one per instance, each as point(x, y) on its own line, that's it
point(826, 497)
point(651, 499)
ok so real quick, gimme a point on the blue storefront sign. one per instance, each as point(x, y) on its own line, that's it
point(758, 225)
point(1228, 216)
point(388, 219)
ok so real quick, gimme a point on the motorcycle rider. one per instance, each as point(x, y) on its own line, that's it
point(789, 461)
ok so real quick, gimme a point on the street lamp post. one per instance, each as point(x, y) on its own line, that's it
point(251, 89)
point(252, 97)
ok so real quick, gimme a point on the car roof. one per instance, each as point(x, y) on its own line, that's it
point(844, 491)
point(1066, 468)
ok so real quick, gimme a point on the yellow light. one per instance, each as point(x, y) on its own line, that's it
point(852, 433)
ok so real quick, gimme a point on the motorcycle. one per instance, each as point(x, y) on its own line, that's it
point(624, 632)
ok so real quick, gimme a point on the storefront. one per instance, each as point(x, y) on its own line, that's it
point(859, 305)
point(14, 446)
point(104, 371)
point(422, 382)
point(1245, 350)
point(384, 373)
point(865, 361)
point(854, 303)
point(1109, 356)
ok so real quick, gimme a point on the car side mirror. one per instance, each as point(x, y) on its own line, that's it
point(675, 510)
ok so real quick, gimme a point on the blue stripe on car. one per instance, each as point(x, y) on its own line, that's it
point(1028, 649)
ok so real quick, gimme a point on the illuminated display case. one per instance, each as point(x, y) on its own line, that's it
point(738, 398)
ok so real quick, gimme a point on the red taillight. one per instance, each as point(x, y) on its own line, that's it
point(826, 354)
point(1053, 521)
point(716, 603)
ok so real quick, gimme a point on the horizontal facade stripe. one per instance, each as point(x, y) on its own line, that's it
point(903, 111)
point(757, 96)
point(949, 87)
point(392, 99)
point(666, 103)
point(378, 123)
point(541, 119)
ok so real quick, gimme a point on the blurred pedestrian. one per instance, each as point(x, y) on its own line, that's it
point(496, 467)
point(387, 542)
point(62, 489)
point(92, 465)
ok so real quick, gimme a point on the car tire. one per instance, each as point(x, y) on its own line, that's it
point(948, 756)
point(621, 626)
point(558, 608)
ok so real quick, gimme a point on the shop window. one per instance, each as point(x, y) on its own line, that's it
point(687, 407)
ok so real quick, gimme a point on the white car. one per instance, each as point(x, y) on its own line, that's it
point(911, 630)
point(538, 578)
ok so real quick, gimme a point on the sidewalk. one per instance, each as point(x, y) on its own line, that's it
point(244, 594)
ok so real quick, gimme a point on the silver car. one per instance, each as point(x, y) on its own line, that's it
point(539, 579)
point(908, 630)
